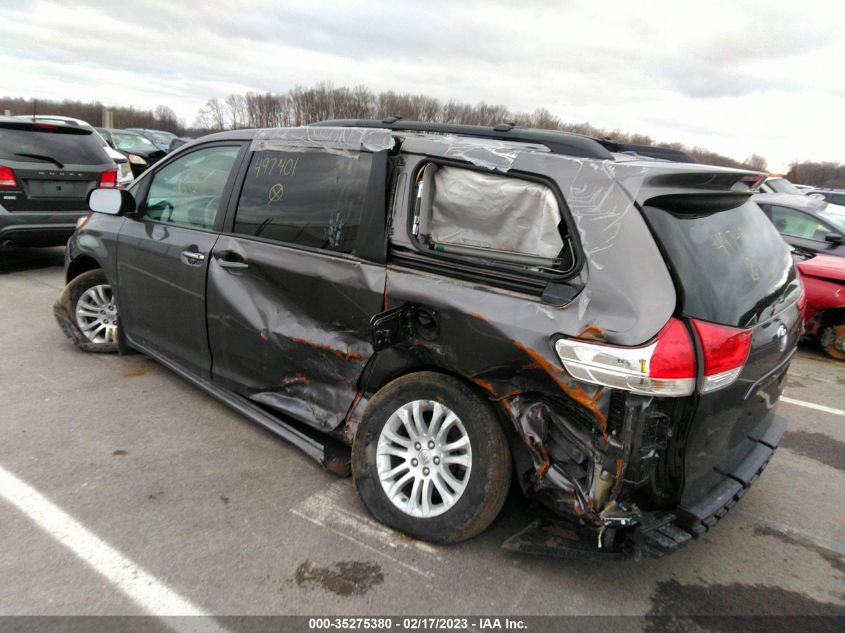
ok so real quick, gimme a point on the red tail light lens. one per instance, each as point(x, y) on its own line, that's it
point(7, 178)
point(725, 351)
point(664, 367)
point(109, 179)
point(673, 357)
point(44, 126)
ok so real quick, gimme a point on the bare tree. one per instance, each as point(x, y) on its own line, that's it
point(212, 115)
point(756, 162)
point(235, 108)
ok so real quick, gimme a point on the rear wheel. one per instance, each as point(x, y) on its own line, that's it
point(833, 341)
point(430, 459)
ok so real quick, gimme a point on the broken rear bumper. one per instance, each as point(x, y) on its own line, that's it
point(699, 517)
point(654, 534)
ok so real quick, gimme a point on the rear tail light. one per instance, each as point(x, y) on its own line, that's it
point(44, 126)
point(725, 350)
point(7, 178)
point(664, 367)
point(109, 179)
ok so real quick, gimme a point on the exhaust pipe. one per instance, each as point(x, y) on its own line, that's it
point(6, 243)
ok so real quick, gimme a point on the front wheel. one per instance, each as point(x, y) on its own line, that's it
point(87, 312)
point(430, 458)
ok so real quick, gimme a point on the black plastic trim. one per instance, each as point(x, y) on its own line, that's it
point(328, 452)
point(558, 142)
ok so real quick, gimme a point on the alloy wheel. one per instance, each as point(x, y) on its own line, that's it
point(424, 458)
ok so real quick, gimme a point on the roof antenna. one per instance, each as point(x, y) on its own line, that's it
point(391, 119)
point(34, 101)
point(507, 126)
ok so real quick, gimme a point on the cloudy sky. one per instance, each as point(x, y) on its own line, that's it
point(735, 77)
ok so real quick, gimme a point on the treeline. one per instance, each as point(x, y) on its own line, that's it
point(301, 106)
point(162, 118)
point(826, 174)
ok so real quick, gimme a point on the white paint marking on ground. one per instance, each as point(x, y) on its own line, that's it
point(328, 508)
point(133, 581)
point(811, 405)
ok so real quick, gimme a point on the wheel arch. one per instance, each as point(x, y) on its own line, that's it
point(388, 367)
point(79, 265)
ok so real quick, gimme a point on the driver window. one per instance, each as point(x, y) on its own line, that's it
point(188, 191)
point(798, 224)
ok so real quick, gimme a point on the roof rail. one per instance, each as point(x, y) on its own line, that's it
point(558, 142)
point(651, 151)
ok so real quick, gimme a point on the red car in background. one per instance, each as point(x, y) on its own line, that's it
point(823, 310)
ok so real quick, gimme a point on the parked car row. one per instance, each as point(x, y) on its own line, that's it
point(139, 149)
point(50, 163)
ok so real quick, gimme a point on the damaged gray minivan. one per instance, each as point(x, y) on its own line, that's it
point(465, 307)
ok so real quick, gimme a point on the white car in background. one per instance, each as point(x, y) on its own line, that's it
point(124, 169)
point(777, 184)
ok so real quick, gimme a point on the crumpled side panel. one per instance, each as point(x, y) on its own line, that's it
point(344, 141)
point(292, 331)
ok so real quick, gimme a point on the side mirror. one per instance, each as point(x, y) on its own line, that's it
point(834, 238)
point(111, 201)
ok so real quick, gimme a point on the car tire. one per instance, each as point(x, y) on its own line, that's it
point(833, 341)
point(445, 441)
point(87, 313)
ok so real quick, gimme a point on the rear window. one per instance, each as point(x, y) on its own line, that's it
point(730, 264)
point(69, 149)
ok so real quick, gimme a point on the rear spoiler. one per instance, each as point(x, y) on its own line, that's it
point(692, 189)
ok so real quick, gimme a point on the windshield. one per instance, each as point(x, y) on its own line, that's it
point(131, 142)
point(781, 185)
point(835, 219)
point(163, 137)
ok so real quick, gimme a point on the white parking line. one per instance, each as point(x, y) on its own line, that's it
point(811, 405)
point(333, 509)
point(129, 578)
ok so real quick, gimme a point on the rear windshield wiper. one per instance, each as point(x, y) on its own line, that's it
point(42, 157)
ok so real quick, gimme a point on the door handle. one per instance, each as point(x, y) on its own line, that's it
point(232, 261)
point(193, 257)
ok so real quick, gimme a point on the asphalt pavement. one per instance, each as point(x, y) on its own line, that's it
point(112, 469)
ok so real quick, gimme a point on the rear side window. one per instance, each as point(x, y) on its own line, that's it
point(68, 149)
point(310, 198)
point(728, 263)
point(495, 218)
